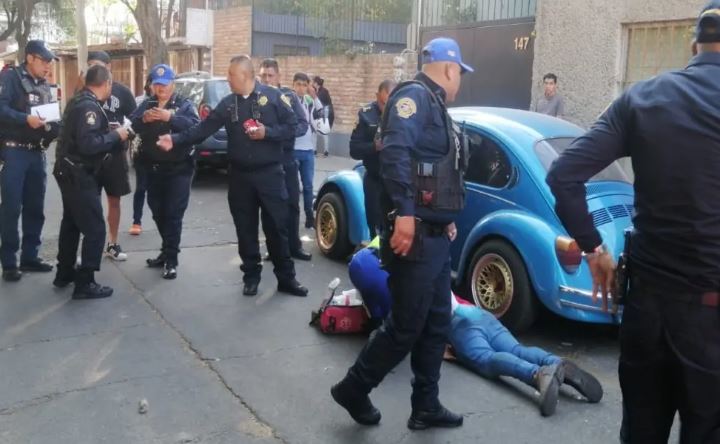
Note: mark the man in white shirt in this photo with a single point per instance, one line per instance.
(305, 147)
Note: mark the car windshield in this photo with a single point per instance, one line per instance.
(216, 90)
(550, 149)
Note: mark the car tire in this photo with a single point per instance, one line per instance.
(497, 280)
(331, 228)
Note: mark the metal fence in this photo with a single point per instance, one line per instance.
(336, 25)
(457, 12)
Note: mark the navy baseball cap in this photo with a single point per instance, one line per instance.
(162, 74)
(708, 24)
(40, 49)
(444, 49)
(100, 56)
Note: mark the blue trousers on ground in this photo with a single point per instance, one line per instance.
(23, 181)
(168, 197)
(141, 182)
(485, 346)
(306, 166)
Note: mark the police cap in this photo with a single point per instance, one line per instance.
(39, 49)
(708, 24)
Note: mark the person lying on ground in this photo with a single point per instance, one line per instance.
(479, 341)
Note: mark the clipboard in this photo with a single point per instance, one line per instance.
(49, 111)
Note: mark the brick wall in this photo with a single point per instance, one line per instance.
(232, 35)
(352, 82)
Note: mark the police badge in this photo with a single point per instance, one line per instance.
(262, 101)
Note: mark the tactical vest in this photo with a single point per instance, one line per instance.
(439, 186)
(150, 153)
(35, 93)
(67, 146)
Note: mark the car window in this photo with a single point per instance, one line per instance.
(192, 91)
(216, 90)
(488, 164)
(550, 149)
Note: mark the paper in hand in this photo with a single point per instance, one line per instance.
(50, 111)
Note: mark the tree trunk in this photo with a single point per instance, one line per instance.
(22, 32)
(81, 34)
(169, 20)
(10, 10)
(147, 17)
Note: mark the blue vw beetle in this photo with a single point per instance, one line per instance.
(512, 252)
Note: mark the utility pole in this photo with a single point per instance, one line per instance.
(81, 35)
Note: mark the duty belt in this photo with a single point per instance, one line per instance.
(26, 146)
(431, 230)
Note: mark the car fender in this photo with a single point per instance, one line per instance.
(532, 237)
(349, 184)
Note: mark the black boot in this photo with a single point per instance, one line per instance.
(292, 287)
(356, 402)
(157, 262)
(582, 381)
(11, 275)
(440, 417)
(64, 277)
(170, 271)
(87, 288)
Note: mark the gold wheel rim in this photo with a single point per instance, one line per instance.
(327, 226)
(492, 284)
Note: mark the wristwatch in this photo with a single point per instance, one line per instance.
(599, 250)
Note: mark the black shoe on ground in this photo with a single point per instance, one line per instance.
(582, 381)
(169, 272)
(293, 287)
(157, 262)
(548, 380)
(11, 275)
(92, 290)
(357, 405)
(62, 280)
(326, 154)
(309, 224)
(38, 266)
(442, 417)
(301, 255)
(250, 288)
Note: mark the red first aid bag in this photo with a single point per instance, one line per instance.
(342, 314)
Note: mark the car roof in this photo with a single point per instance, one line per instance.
(522, 126)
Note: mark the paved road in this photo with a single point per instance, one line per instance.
(217, 367)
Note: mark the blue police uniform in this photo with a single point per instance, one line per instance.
(362, 147)
(422, 177)
(23, 177)
(257, 179)
(169, 173)
(292, 180)
(670, 336)
(85, 144)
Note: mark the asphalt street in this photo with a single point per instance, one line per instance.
(217, 367)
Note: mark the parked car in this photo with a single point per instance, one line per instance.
(206, 92)
(512, 252)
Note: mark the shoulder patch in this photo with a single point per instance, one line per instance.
(366, 108)
(263, 100)
(90, 117)
(406, 107)
(286, 100)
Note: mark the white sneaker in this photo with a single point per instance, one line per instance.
(114, 252)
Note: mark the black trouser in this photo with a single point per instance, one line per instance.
(418, 323)
(248, 192)
(292, 182)
(168, 194)
(373, 211)
(82, 214)
(669, 362)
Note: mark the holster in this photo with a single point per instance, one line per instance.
(73, 173)
(623, 272)
(387, 256)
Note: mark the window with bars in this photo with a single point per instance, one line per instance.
(654, 48)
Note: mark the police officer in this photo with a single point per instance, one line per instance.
(23, 139)
(670, 333)
(85, 141)
(169, 172)
(116, 182)
(421, 165)
(258, 120)
(270, 76)
(365, 145)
